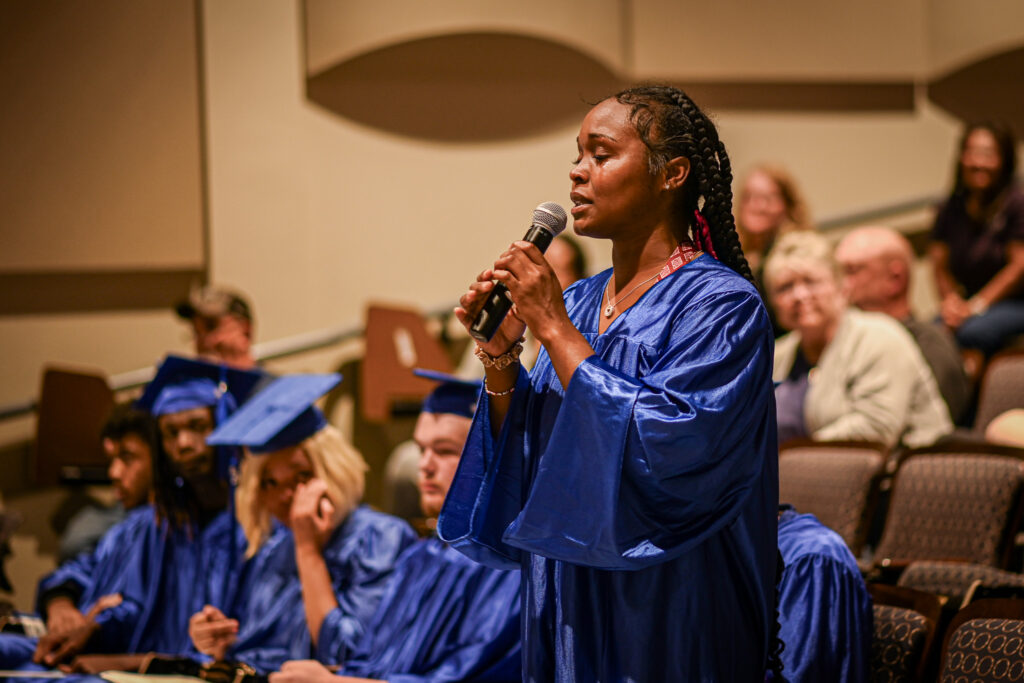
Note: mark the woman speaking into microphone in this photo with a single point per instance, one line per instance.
(632, 475)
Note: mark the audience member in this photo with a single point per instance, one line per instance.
(128, 438)
(79, 599)
(824, 607)
(317, 561)
(877, 263)
(977, 244)
(770, 204)
(443, 617)
(221, 325)
(567, 259)
(844, 373)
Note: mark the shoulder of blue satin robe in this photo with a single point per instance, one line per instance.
(443, 618)
(100, 571)
(824, 607)
(360, 556)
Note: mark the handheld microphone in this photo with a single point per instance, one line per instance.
(548, 220)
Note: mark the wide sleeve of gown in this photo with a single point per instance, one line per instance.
(485, 495)
(652, 449)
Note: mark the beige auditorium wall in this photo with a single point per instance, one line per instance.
(100, 184)
(960, 32)
(314, 215)
(783, 40)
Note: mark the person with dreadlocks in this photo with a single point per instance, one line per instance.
(632, 474)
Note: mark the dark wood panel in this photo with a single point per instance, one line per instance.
(802, 96)
(77, 292)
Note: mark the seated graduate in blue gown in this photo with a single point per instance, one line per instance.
(317, 561)
(80, 600)
(443, 617)
(174, 551)
(824, 605)
(632, 473)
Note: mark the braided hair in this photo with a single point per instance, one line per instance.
(671, 125)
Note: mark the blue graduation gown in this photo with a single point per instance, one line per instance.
(443, 618)
(360, 557)
(824, 607)
(93, 575)
(160, 577)
(167, 574)
(640, 502)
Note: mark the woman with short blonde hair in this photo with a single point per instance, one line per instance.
(316, 562)
(334, 461)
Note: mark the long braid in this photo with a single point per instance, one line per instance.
(671, 125)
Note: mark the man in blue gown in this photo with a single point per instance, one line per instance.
(640, 501)
(79, 600)
(824, 607)
(443, 617)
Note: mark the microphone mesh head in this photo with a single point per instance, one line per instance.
(550, 216)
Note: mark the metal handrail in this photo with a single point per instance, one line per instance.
(879, 212)
(263, 351)
(311, 341)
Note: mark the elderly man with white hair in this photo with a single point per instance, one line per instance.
(876, 264)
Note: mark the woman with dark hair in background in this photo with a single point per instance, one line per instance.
(977, 246)
(632, 474)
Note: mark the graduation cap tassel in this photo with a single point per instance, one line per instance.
(227, 461)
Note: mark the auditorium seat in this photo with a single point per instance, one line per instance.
(836, 481)
(905, 626)
(985, 643)
(952, 506)
(1002, 388)
(956, 580)
(73, 406)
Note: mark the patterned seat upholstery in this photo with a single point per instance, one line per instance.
(1000, 387)
(985, 643)
(953, 579)
(834, 482)
(952, 507)
(899, 638)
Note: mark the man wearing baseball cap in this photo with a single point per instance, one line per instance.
(221, 321)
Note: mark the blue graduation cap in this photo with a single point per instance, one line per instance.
(280, 416)
(186, 383)
(453, 395)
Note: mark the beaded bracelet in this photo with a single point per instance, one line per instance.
(498, 393)
(505, 360)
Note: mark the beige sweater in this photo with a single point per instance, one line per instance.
(870, 384)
